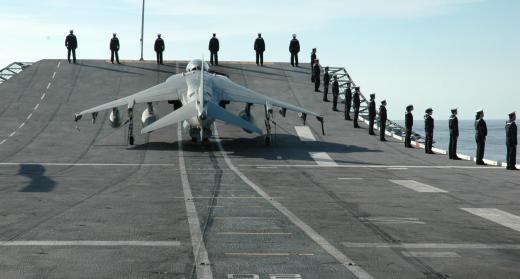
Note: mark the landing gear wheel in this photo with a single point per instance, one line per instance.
(268, 140)
(131, 140)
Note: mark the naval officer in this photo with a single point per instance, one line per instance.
(371, 114)
(326, 82)
(159, 49)
(428, 129)
(408, 125)
(316, 72)
(348, 100)
(382, 120)
(214, 47)
(259, 49)
(114, 48)
(335, 93)
(356, 99)
(71, 42)
(480, 136)
(313, 57)
(294, 49)
(453, 125)
(511, 141)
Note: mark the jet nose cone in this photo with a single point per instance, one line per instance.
(203, 116)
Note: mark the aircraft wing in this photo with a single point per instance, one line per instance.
(230, 91)
(170, 90)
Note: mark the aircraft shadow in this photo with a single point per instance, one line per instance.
(109, 69)
(156, 70)
(249, 70)
(289, 70)
(40, 183)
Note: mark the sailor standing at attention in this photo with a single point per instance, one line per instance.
(511, 141)
(371, 114)
(259, 49)
(454, 134)
(408, 125)
(326, 82)
(214, 47)
(348, 100)
(313, 57)
(71, 42)
(294, 49)
(114, 48)
(480, 136)
(428, 129)
(335, 93)
(382, 120)
(159, 49)
(317, 75)
(357, 103)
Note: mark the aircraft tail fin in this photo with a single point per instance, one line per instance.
(215, 111)
(184, 113)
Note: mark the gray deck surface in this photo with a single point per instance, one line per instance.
(52, 190)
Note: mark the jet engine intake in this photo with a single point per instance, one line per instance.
(149, 116)
(115, 118)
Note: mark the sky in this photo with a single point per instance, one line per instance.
(429, 53)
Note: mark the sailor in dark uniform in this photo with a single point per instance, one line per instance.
(326, 82)
(480, 136)
(356, 99)
(382, 120)
(454, 134)
(371, 114)
(408, 125)
(294, 49)
(71, 42)
(428, 129)
(159, 49)
(214, 48)
(335, 93)
(317, 75)
(313, 57)
(348, 100)
(259, 49)
(511, 141)
(114, 49)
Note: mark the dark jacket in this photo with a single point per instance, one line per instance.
(428, 124)
(214, 45)
(159, 45)
(71, 42)
(480, 130)
(372, 108)
(335, 88)
(356, 99)
(382, 114)
(259, 45)
(294, 46)
(313, 57)
(408, 119)
(511, 134)
(454, 125)
(348, 96)
(326, 79)
(316, 71)
(114, 44)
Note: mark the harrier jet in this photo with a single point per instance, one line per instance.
(199, 97)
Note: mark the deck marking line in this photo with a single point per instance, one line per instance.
(54, 75)
(12, 134)
(253, 233)
(91, 243)
(498, 216)
(304, 133)
(29, 116)
(21, 125)
(59, 63)
(86, 164)
(428, 254)
(458, 246)
(36, 107)
(369, 166)
(200, 254)
(43, 96)
(2, 142)
(418, 187)
(48, 85)
(323, 159)
(391, 220)
(253, 254)
(348, 263)
(350, 178)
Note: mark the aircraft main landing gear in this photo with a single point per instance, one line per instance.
(130, 126)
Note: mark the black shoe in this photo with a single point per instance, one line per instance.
(430, 152)
(513, 168)
(335, 110)
(456, 158)
(348, 118)
(481, 163)
(372, 134)
(325, 100)
(383, 139)
(356, 127)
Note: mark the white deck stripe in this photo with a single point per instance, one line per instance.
(91, 243)
(2, 142)
(498, 216)
(304, 133)
(12, 134)
(371, 166)
(29, 116)
(87, 164)
(418, 186)
(463, 246)
(323, 159)
(358, 271)
(54, 75)
(48, 86)
(59, 63)
(21, 125)
(426, 254)
(43, 96)
(200, 254)
(350, 178)
(36, 107)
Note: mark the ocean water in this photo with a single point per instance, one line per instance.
(495, 143)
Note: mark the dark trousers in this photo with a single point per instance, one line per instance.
(69, 50)
(511, 157)
(334, 102)
(408, 138)
(371, 120)
(428, 143)
(481, 147)
(159, 57)
(214, 58)
(347, 111)
(294, 59)
(317, 84)
(356, 116)
(259, 58)
(116, 52)
(452, 150)
(382, 129)
(325, 92)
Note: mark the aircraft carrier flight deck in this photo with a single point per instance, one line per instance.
(76, 201)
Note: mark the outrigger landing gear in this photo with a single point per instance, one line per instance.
(131, 126)
(268, 114)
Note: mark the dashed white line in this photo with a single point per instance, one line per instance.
(369, 166)
(304, 133)
(43, 96)
(85, 164)
(2, 142)
(418, 186)
(21, 125)
(350, 178)
(48, 86)
(92, 243)
(54, 75)
(12, 134)
(36, 107)
(461, 246)
(59, 63)
(391, 220)
(428, 254)
(323, 159)
(29, 116)
(498, 216)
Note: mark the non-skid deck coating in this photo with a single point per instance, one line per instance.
(77, 202)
